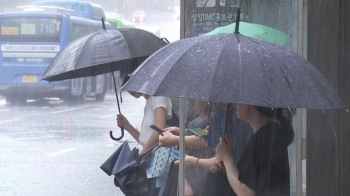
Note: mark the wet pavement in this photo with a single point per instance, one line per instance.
(49, 148)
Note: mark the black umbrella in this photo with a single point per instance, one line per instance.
(129, 172)
(103, 52)
(232, 68)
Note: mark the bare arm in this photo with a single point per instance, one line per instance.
(159, 121)
(203, 163)
(224, 152)
(232, 176)
(123, 122)
(194, 142)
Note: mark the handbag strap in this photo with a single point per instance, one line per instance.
(149, 150)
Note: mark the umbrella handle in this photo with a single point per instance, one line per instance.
(119, 138)
(122, 128)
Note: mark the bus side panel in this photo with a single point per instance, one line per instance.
(22, 61)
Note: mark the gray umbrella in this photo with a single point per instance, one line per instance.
(103, 52)
(234, 69)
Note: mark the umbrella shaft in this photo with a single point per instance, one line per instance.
(116, 92)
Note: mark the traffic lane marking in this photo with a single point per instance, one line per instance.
(109, 143)
(61, 152)
(71, 109)
(107, 116)
(8, 121)
(16, 139)
(36, 138)
(5, 110)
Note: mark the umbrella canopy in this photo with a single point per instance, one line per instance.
(232, 68)
(257, 31)
(103, 52)
(129, 173)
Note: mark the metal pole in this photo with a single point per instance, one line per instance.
(298, 157)
(181, 179)
(182, 18)
(300, 112)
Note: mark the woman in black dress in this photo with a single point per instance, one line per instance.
(263, 168)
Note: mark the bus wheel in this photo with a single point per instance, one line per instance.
(82, 97)
(100, 97)
(9, 99)
(18, 100)
(74, 100)
(79, 99)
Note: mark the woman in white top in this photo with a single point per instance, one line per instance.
(156, 111)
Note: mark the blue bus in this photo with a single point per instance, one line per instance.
(29, 41)
(81, 8)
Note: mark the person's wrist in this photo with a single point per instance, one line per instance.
(175, 140)
(227, 158)
(189, 160)
(178, 130)
(127, 127)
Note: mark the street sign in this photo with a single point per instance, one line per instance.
(206, 19)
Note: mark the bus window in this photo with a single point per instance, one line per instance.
(113, 25)
(79, 30)
(30, 29)
(98, 12)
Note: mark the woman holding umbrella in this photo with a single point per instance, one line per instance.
(263, 169)
(156, 111)
(197, 176)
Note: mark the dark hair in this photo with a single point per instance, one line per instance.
(201, 108)
(284, 116)
(127, 77)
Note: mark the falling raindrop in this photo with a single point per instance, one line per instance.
(346, 110)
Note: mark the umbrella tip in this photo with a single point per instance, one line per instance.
(238, 18)
(165, 39)
(103, 23)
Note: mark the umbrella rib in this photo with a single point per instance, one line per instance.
(328, 99)
(294, 96)
(289, 84)
(83, 47)
(264, 73)
(215, 75)
(147, 60)
(106, 62)
(158, 91)
(190, 47)
(286, 78)
(290, 87)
